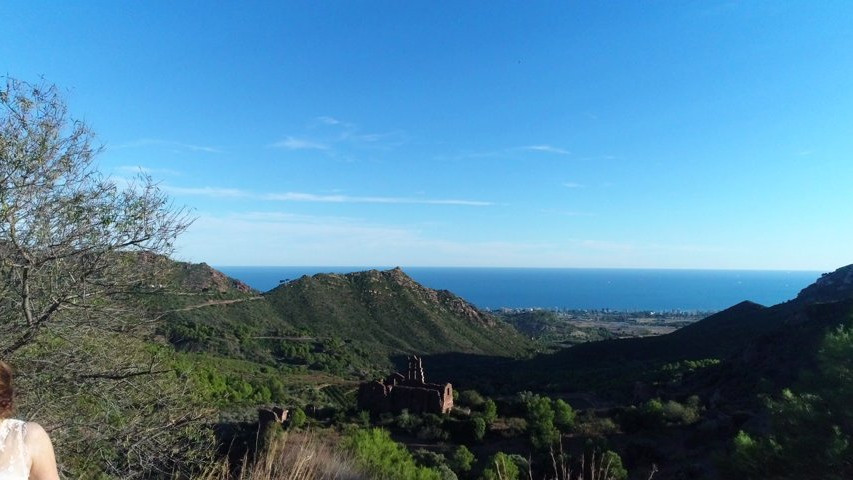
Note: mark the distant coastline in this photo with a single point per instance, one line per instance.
(577, 288)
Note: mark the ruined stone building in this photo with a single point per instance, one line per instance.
(410, 392)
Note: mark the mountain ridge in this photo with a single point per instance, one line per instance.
(390, 309)
(754, 340)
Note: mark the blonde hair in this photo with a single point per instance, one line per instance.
(6, 390)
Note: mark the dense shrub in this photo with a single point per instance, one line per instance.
(490, 411)
(811, 433)
(478, 428)
(428, 458)
(446, 473)
(501, 467)
(682, 414)
(564, 416)
(462, 459)
(432, 433)
(470, 398)
(656, 414)
(610, 467)
(515, 426)
(297, 418)
(540, 422)
(408, 422)
(591, 425)
(377, 453)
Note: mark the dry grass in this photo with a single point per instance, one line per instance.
(291, 456)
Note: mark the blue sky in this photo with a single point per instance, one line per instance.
(542, 134)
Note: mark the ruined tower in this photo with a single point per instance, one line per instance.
(416, 370)
(397, 392)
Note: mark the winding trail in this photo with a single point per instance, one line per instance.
(210, 303)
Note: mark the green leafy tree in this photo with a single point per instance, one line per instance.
(471, 398)
(297, 418)
(609, 466)
(382, 457)
(501, 467)
(446, 473)
(429, 459)
(408, 422)
(462, 459)
(564, 415)
(490, 411)
(478, 428)
(77, 252)
(540, 422)
(810, 434)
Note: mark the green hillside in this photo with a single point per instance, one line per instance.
(392, 313)
(349, 324)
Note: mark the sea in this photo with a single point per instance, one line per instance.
(578, 288)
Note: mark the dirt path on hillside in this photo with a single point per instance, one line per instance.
(296, 339)
(211, 303)
(218, 302)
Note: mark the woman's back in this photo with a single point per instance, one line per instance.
(14, 456)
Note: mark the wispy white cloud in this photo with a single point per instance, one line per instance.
(321, 240)
(508, 152)
(329, 120)
(310, 197)
(351, 135)
(293, 143)
(334, 240)
(318, 198)
(331, 240)
(155, 142)
(131, 169)
(547, 149)
(208, 192)
(335, 136)
(573, 185)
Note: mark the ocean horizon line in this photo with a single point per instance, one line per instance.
(575, 288)
(404, 267)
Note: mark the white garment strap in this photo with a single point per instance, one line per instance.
(14, 456)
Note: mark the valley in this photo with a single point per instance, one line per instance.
(664, 392)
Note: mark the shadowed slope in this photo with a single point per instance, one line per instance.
(752, 341)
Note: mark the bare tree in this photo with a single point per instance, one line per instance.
(76, 253)
(63, 228)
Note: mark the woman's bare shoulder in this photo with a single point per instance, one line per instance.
(35, 435)
(35, 430)
(41, 452)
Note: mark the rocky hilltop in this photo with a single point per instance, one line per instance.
(189, 277)
(830, 287)
(446, 298)
(391, 311)
(203, 277)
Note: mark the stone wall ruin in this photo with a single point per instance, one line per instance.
(398, 392)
